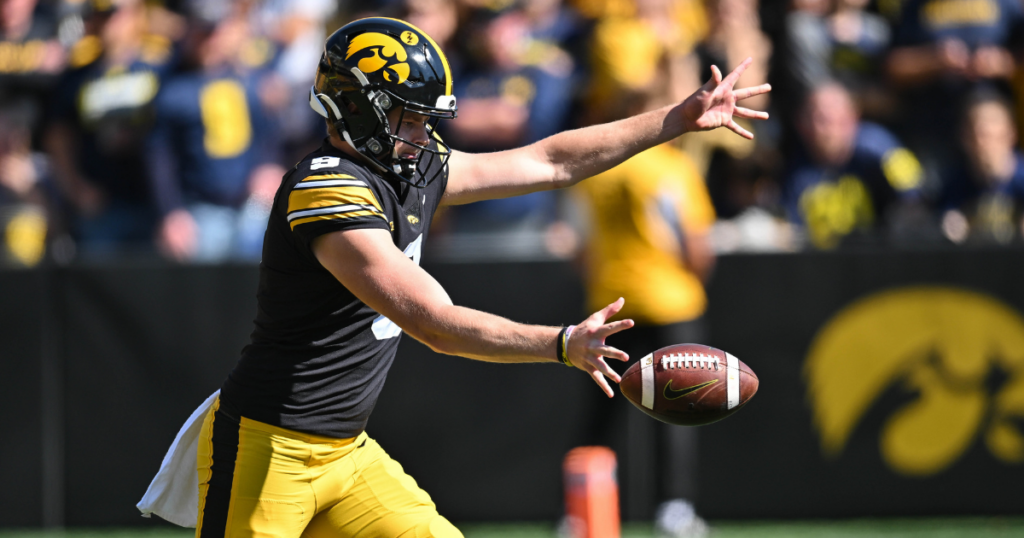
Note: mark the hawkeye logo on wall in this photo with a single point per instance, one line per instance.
(958, 354)
(386, 53)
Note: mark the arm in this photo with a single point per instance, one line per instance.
(700, 256)
(367, 263)
(569, 157)
(690, 216)
(60, 143)
(914, 65)
(177, 234)
(162, 168)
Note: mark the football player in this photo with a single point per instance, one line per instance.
(283, 452)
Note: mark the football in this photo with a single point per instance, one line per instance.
(689, 384)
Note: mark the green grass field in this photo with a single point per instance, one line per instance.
(869, 528)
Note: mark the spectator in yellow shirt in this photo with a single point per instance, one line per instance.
(647, 241)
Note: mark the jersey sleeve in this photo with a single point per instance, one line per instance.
(327, 202)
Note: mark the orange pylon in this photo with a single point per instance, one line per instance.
(591, 493)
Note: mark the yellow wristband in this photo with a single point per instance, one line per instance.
(563, 347)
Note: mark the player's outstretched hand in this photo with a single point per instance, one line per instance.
(586, 348)
(714, 104)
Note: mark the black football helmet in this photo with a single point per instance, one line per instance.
(377, 64)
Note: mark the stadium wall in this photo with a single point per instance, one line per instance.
(891, 384)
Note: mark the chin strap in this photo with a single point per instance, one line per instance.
(317, 100)
(348, 139)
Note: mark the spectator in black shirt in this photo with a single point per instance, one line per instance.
(101, 115)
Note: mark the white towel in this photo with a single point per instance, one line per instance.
(174, 492)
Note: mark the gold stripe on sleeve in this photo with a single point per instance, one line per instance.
(299, 200)
(327, 176)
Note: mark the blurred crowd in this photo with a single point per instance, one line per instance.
(163, 127)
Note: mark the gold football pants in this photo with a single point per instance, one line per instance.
(260, 480)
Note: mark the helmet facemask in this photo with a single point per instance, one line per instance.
(413, 170)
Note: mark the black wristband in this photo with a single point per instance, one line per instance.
(560, 350)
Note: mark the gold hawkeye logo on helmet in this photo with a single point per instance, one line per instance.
(388, 54)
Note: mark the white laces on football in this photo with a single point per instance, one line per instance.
(688, 360)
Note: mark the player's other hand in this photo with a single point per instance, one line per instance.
(586, 348)
(178, 235)
(714, 104)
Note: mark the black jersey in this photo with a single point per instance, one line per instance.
(318, 355)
